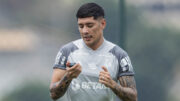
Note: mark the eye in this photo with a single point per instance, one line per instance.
(81, 26)
(90, 25)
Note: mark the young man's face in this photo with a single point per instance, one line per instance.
(91, 31)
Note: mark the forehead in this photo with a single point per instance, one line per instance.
(86, 20)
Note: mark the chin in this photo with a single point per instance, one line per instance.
(88, 43)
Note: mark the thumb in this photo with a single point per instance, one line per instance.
(104, 68)
(67, 64)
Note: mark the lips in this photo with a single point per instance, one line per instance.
(87, 38)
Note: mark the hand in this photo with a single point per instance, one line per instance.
(74, 71)
(105, 78)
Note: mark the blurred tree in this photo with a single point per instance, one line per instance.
(153, 52)
(30, 91)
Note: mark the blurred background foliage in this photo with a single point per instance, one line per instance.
(152, 44)
(29, 91)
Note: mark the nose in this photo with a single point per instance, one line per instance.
(85, 30)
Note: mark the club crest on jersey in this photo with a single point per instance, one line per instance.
(125, 64)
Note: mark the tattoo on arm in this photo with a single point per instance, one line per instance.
(127, 89)
(127, 81)
(58, 89)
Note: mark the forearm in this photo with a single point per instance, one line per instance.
(125, 93)
(58, 89)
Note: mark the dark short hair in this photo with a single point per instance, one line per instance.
(90, 10)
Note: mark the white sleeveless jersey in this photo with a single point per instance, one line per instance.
(86, 86)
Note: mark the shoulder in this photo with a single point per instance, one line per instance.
(71, 46)
(117, 50)
(124, 62)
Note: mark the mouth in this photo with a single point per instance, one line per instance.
(87, 38)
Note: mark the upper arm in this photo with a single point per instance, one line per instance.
(57, 75)
(127, 81)
(124, 63)
(63, 56)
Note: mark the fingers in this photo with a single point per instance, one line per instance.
(104, 68)
(105, 77)
(74, 68)
(73, 74)
(107, 80)
(67, 63)
(73, 71)
(104, 82)
(105, 72)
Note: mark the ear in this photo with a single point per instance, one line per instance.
(103, 23)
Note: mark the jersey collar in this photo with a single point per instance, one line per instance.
(98, 49)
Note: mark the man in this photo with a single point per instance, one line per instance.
(99, 64)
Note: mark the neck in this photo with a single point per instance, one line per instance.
(96, 45)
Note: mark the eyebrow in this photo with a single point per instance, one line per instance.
(89, 23)
(86, 23)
